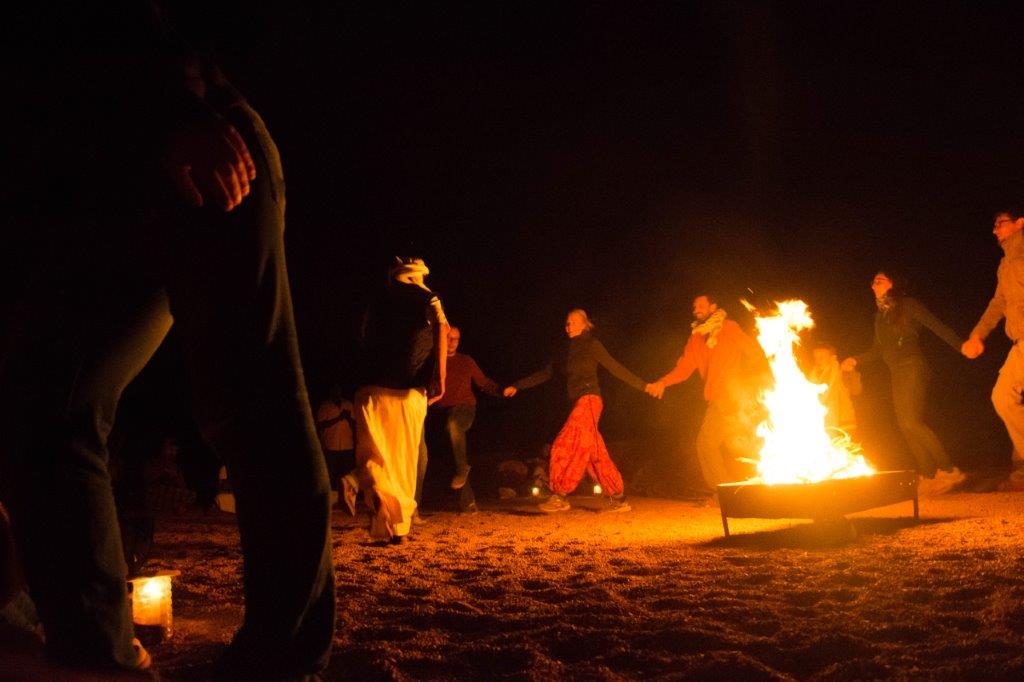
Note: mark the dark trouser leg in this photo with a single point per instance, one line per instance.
(62, 503)
(466, 497)
(421, 467)
(334, 467)
(909, 385)
(346, 462)
(230, 296)
(458, 421)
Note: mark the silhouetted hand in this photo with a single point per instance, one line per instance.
(655, 390)
(972, 347)
(848, 365)
(209, 163)
(509, 391)
(435, 392)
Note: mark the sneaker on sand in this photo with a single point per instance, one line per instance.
(349, 492)
(471, 509)
(943, 482)
(416, 519)
(460, 478)
(1014, 483)
(555, 503)
(708, 501)
(619, 503)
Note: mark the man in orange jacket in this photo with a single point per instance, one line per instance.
(729, 361)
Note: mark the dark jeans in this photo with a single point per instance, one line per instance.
(909, 386)
(221, 279)
(339, 463)
(459, 420)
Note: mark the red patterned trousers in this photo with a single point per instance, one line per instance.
(579, 448)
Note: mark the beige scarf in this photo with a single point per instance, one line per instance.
(710, 327)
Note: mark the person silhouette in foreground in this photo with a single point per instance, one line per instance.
(167, 208)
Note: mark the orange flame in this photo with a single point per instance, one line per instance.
(797, 445)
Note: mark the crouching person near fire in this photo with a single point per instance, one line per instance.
(840, 387)
(403, 356)
(732, 365)
(579, 446)
(898, 323)
(1008, 302)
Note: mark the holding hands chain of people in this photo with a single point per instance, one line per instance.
(655, 390)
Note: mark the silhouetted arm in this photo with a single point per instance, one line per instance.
(615, 368)
(917, 310)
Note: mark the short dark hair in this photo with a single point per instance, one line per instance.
(712, 298)
(1013, 210)
(900, 281)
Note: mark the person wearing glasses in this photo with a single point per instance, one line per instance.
(1008, 303)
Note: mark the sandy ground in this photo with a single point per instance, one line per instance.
(659, 592)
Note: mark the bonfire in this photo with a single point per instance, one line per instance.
(798, 447)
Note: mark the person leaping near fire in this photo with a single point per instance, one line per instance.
(459, 407)
(898, 322)
(1007, 302)
(579, 446)
(732, 365)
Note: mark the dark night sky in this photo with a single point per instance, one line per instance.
(619, 156)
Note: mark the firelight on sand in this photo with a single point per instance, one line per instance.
(798, 447)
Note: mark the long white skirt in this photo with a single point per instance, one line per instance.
(389, 426)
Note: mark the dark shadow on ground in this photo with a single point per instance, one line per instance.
(818, 534)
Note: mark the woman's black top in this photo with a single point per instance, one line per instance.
(579, 365)
(897, 333)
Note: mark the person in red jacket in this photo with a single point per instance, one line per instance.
(459, 406)
(729, 361)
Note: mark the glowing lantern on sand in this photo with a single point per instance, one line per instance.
(151, 606)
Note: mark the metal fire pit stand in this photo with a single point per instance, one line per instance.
(830, 499)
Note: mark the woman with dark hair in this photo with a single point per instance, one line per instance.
(898, 323)
(579, 446)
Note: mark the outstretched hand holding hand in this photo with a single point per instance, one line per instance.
(655, 390)
(972, 347)
(209, 163)
(509, 391)
(848, 365)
